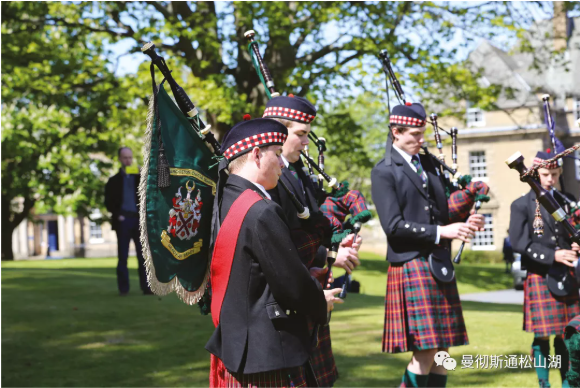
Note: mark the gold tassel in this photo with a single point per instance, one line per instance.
(538, 222)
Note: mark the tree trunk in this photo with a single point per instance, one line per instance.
(7, 230)
(10, 221)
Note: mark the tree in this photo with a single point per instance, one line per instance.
(64, 114)
(325, 51)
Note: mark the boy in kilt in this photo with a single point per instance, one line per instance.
(546, 249)
(261, 291)
(309, 236)
(422, 314)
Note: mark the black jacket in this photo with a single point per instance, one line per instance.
(538, 253)
(409, 212)
(308, 197)
(268, 281)
(114, 196)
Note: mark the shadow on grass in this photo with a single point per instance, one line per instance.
(484, 277)
(68, 327)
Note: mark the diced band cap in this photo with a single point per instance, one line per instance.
(246, 135)
(542, 157)
(410, 115)
(292, 108)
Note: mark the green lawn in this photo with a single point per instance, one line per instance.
(63, 324)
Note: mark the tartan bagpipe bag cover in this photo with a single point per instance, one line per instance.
(175, 221)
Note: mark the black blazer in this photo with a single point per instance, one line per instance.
(263, 323)
(114, 196)
(308, 197)
(408, 211)
(538, 253)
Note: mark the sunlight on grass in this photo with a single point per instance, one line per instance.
(63, 324)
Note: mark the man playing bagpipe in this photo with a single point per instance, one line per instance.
(550, 294)
(310, 236)
(261, 291)
(422, 313)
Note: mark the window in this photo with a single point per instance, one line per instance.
(95, 230)
(475, 117)
(577, 110)
(96, 233)
(477, 165)
(484, 240)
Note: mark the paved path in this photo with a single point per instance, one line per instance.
(504, 296)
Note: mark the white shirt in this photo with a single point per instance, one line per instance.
(408, 158)
(286, 162)
(263, 190)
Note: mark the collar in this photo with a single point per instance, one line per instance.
(405, 155)
(262, 189)
(286, 162)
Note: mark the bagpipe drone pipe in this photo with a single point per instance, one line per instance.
(341, 202)
(342, 207)
(463, 194)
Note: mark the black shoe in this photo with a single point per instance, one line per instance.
(123, 293)
(148, 292)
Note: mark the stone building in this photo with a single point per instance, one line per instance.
(487, 138)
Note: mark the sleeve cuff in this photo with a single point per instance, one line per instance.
(438, 235)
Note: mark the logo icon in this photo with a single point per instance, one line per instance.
(443, 358)
(449, 363)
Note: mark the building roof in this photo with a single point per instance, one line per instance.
(526, 74)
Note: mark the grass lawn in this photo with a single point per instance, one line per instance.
(63, 324)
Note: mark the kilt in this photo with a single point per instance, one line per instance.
(219, 376)
(544, 313)
(421, 313)
(322, 359)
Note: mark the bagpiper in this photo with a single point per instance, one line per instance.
(261, 291)
(547, 253)
(423, 313)
(297, 114)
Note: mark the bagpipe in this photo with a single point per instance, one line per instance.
(341, 202)
(572, 207)
(463, 194)
(180, 152)
(560, 282)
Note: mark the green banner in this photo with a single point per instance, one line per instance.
(176, 220)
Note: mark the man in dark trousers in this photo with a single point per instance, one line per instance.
(261, 291)
(422, 314)
(297, 114)
(122, 202)
(546, 250)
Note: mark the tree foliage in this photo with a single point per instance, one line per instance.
(64, 114)
(63, 103)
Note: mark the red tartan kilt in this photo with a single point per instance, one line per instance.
(219, 376)
(322, 359)
(421, 313)
(544, 313)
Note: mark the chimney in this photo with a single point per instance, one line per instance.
(559, 26)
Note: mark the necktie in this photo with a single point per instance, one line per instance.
(293, 171)
(417, 164)
(295, 175)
